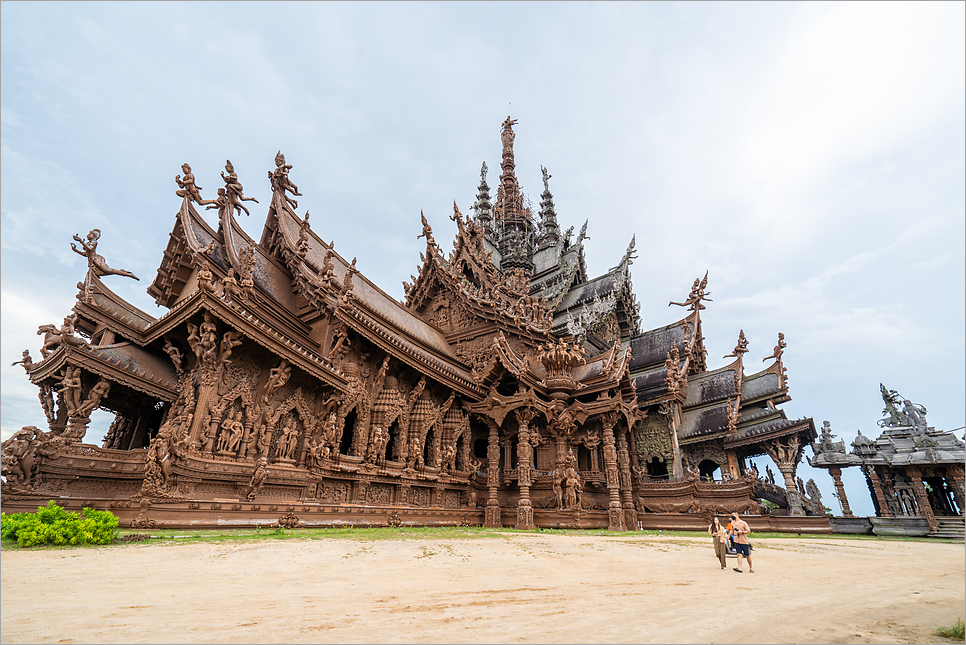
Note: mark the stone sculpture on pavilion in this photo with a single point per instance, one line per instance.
(914, 472)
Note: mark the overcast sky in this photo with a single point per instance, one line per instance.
(809, 156)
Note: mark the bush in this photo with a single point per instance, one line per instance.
(957, 631)
(52, 524)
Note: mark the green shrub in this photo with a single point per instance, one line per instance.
(957, 631)
(52, 524)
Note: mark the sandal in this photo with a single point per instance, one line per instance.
(738, 570)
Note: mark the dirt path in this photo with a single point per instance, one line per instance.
(513, 588)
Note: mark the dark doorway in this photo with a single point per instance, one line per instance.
(707, 468)
(348, 432)
(392, 442)
(657, 468)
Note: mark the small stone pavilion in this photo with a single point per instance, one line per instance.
(914, 472)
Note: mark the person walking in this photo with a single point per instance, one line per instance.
(719, 537)
(740, 530)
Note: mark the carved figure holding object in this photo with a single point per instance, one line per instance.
(234, 190)
(26, 361)
(280, 180)
(189, 190)
(96, 262)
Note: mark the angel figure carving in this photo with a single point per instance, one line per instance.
(188, 188)
(234, 191)
(96, 262)
(281, 182)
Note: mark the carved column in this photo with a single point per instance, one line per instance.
(785, 453)
(402, 494)
(492, 514)
(957, 475)
(880, 497)
(524, 460)
(359, 491)
(209, 379)
(922, 499)
(614, 514)
(836, 474)
(624, 471)
(672, 411)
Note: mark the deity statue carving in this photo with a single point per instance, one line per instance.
(288, 439)
(506, 133)
(206, 280)
(779, 349)
(814, 497)
(188, 188)
(70, 385)
(174, 353)
(741, 348)
(94, 397)
(19, 456)
(427, 231)
(259, 475)
(234, 193)
(697, 295)
(26, 361)
(281, 183)
(95, 262)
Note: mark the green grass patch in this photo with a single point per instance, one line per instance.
(957, 631)
(124, 537)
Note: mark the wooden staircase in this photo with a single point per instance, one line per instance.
(950, 528)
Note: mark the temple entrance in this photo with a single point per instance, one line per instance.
(479, 448)
(707, 469)
(583, 458)
(429, 454)
(392, 443)
(459, 462)
(657, 468)
(348, 433)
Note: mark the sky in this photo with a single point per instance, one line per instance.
(810, 157)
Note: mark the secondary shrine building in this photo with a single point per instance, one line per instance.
(510, 388)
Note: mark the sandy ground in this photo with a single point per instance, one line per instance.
(514, 588)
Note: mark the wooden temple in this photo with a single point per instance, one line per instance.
(510, 388)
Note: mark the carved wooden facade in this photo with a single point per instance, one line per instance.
(281, 385)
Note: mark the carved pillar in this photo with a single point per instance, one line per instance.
(215, 430)
(359, 490)
(836, 474)
(614, 514)
(957, 475)
(209, 379)
(136, 437)
(402, 494)
(791, 490)
(492, 516)
(524, 460)
(785, 453)
(732, 463)
(243, 446)
(674, 414)
(624, 471)
(877, 490)
(922, 499)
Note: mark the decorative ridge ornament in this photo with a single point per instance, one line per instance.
(697, 295)
(95, 262)
(233, 193)
(188, 188)
(280, 180)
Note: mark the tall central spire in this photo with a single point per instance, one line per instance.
(509, 201)
(514, 223)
